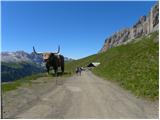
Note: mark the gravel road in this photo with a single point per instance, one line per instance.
(85, 96)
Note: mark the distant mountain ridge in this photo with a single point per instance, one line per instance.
(22, 56)
(15, 65)
(144, 26)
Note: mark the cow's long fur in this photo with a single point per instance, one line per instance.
(52, 60)
(55, 61)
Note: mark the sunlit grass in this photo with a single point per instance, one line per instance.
(17, 83)
(134, 66)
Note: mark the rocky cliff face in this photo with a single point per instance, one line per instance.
(145, 25)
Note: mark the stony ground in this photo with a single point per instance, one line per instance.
(85, 96)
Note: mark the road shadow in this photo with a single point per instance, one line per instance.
(60, 74)
(58, 80)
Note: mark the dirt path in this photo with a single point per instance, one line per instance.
(85, 96)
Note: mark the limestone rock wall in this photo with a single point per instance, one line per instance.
(144, 26)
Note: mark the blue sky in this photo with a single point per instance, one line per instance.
(80, 28)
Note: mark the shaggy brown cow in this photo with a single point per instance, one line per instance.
(52, 60)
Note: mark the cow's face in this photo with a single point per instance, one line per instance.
(46, 56)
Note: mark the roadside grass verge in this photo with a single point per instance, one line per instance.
(8, 86)
(134, 66)
(17, 83)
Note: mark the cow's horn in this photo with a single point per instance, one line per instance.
(36, 52)
(58, 49)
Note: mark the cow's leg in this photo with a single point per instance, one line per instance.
(47, 66)
(62, 68)
(55, 70)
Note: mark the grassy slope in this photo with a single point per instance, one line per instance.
(12, 70)
(8, 86)
(17, 83)
(134, 66)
